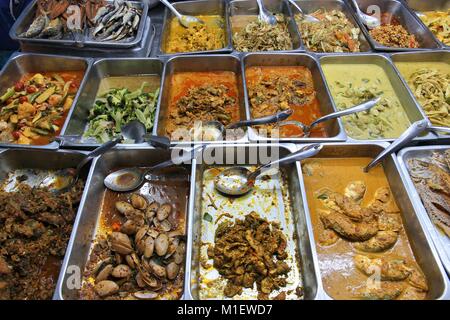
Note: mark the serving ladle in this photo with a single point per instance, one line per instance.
(216, 129)
(370, 21)
(129, 179)
(236, 181)
(264, 14)
(307, 128)
(306, 17)
(185, 20)
(134, 130)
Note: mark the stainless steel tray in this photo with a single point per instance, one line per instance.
(309, 6)
(409, 21)
(77, 123)
(27, 16)
(248, 154)
(416, 6)
(418, 235)
(193, 63)
(141, 50)
(412, 110)
(441, 242)
(429, 56)
(87, 222)
(23, 63)
(249, 7)
(196, 7)
(334, 128)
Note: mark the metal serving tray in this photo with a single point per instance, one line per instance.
(23, 63)
(412, 110)
(201, 63)
(418, 235)
(409, 21)
(249, 7)
(78, 117)
(27, 17)
(309, 6)
(429, 56)
(417, 6)
(441, 242)
(252, 154)
(87, 221)
(196, 7)
(142, 50)
(334, 128)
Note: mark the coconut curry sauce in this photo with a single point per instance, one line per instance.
(337, 191)
(273, 89)
(139, 247)
(201, 96)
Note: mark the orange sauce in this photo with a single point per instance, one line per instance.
(305, 113)
(182, 82)
(340, 277)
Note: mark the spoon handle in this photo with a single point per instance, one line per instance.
(358, 10)
(263, 120)
(436, 129)
(176, 161)
(361, 107)
(158, 141)
(98, 151)
(306, 152)
(413, 131)
(172, 8)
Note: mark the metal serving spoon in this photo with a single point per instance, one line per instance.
(264, 14)
(413, 131)
(306, 17)
(216, 129)
(307, 128)
(184, 20)
(436, 129)
(236, 181)
(370, 21)
(133, 131)
(129, 179)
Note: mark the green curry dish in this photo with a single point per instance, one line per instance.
(117, 107)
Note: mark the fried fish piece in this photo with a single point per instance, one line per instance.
(327, 237)
(390, 269)
(348, 229)
(390, 222)
(417, 279)
(386, 290)
(382, 241)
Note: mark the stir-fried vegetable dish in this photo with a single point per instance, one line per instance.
(332, 33)
(439, 23)
(33, 111)
(116, 107)
(392, 34)
(259, 36)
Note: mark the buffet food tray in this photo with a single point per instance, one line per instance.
(410, 106)
(141, 50)
(75, 127)
(411, 22)
(199, 281)
(196, 7)
(417, 231)
(335, 130)
(22, 63)
(441, 242)
(309, 6)
(416, 6)
(87, 224)
(26, 18)
(441, 56)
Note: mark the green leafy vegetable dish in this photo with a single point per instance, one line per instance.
(116, 107)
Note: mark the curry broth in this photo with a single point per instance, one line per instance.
(305, 113)
(340, 277)
(182, 82)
